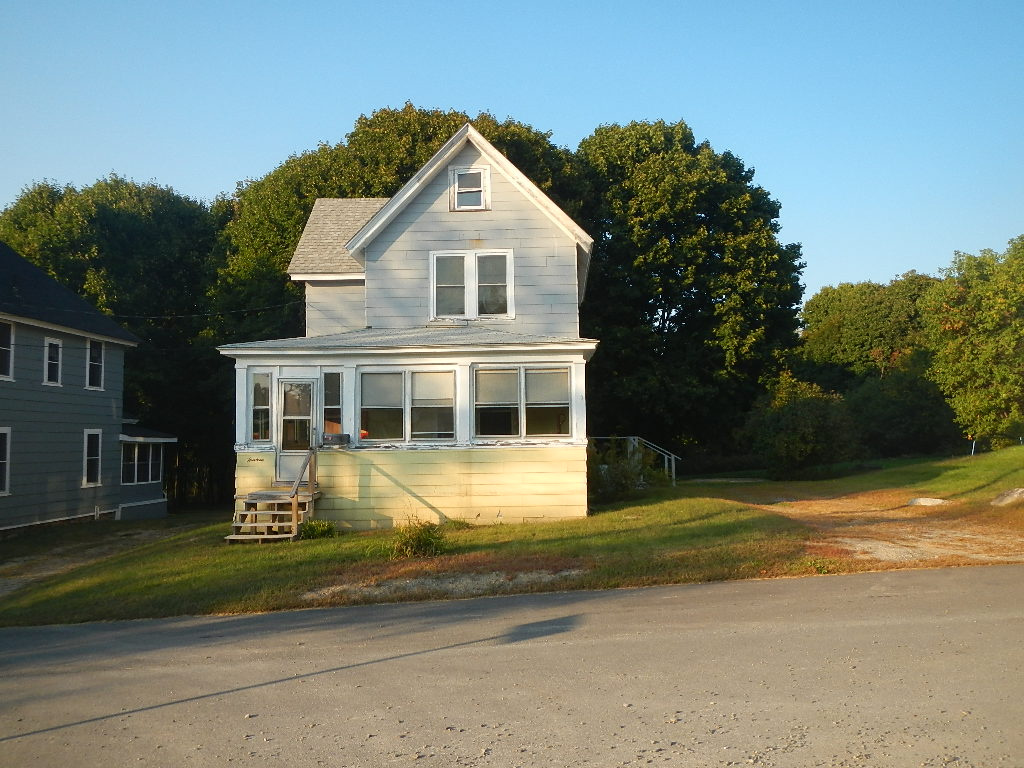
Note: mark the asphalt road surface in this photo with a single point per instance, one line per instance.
(905, 668)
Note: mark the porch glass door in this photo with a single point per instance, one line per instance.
(296, 428)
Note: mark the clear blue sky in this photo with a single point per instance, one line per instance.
(891, 132)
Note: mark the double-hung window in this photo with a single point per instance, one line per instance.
(6, 350)
(260, 399)
(141, 463)
(5, 461)
(52, 363)
(94, 365)
(521, 402)
(470, 188)
(399, 406)
(91, 457)
(471, 284)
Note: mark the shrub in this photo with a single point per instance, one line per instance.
(418, 538)
(619, 469)
(799, 426)
(318, 529)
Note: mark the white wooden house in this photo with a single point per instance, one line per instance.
(442, 373)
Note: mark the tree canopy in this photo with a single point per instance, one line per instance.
(691, 293)
(976, 332)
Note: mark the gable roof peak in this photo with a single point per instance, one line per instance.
(468, 134)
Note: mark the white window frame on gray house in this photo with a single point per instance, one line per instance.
(92, 459)
(416, 400)
(6, 350)
(141, 462)
(53, 354)
(94, 368)
(477, 287)
(5, 461)
(467, 193)
(332, 402)
(520, 403)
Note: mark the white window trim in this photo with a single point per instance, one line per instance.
(453, 187)
(471, 285)
(522, 368)
(46, 362)
(85, 459)
(135, 463)
(6, 463)
(9, 375)
(321, 405)
(407, 438)
(103, 363)
(251, 373)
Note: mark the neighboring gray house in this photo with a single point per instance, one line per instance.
(442, 374)
(65, 451)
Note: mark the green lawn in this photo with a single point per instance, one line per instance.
(697, 532)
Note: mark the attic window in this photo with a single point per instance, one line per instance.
(470, 189)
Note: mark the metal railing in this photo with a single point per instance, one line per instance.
(635, 444)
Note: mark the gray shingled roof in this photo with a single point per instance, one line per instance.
(331, 224)
(391, 338)
(26, 291)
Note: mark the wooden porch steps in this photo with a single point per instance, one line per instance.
(268, 516)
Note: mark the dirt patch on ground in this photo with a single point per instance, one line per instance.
(16, 572)
(884, 526)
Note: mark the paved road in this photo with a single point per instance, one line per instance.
(912, 668)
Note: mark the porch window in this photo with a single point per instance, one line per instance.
(141, 463)
(471, 284)
(522, 402)
(5, 461)
(297, 415)
(94, 365)
(470, 189)
(91, 459)
(433, 405)
(260, 406)
(51, 366)
(417, 404)
(6, 350)
(381, 411)
(332, 404)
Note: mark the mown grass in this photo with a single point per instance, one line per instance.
(692, 533)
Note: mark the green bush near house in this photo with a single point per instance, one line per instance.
(318, 529)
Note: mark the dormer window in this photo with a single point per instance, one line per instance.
(470, 189)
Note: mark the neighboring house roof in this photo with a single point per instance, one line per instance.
(332, 223)
(28, 292)
(394, 339)
(438, 163)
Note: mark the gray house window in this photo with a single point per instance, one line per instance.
(420, 404)
(5, 461)
(141, 463)
(261, 406)
(91, 461)
(94, 365)
(52, 364)
(332, 404)
(6, 350)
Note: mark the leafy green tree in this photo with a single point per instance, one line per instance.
(691, 293)
(798, 426)
(976, 332)
(865, 328)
